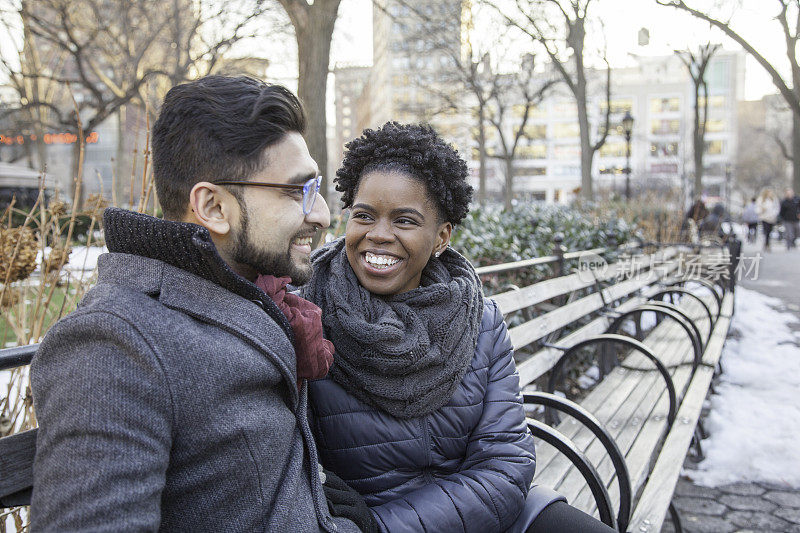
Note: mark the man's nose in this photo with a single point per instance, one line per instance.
(320, 214)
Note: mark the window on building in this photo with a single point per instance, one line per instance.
(714, 126)
(538, 196)
(533, 151)
(612, 170)
(620, 105)
(567, 152)
(564, 108)
(665, 127)
(529, 171)
(715, 147)
(567, 171)
(665, 105)
(663, 149)
(613, 149)
(536, 131)
(664, 168)
(566, 130)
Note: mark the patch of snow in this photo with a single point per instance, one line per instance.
(589, 378)
(649, 319)
(81, 259)
(754, 422)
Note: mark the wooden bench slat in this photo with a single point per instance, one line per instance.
(604, 402)
(657, 495)
(627, 406)
(16, 462)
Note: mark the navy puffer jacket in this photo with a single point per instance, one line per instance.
(465, 467)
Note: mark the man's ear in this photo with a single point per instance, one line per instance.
(213, 208)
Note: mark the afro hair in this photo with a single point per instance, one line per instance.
(414, 149)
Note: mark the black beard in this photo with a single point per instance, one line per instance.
(267, 263)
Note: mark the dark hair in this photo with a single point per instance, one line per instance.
(217, 128)
(416, 150)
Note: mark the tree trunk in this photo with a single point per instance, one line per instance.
(509, 192)
(795, 153)
(121, 161)
(698, 140)
(77, 177)
(587, 154)
(313, 51)
(481, 154)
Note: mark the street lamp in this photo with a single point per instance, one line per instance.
(627, 128)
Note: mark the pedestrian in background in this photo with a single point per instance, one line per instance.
(768, 210)
(789, 216)
(750, 217)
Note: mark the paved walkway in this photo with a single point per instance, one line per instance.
(744, 507)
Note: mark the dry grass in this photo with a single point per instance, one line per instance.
(36, 289)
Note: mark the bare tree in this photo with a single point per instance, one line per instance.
(476, 81)
(788, 18)
(520, 91)
(313, 26)
(697, 63)
(113, 50)
(559, 26)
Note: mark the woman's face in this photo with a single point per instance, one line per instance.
(392, 232)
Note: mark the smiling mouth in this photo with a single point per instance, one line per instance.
(380, 262)
(302, 244)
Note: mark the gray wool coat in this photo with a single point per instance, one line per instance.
(166, 402)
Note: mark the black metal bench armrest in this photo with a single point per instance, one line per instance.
(16, 468)
(675, 314)
(679, 282)
(567, 447)
(588, 419)
(557, 374)
(676, 290)
(17, 356)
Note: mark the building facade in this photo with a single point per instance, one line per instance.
(658, 92)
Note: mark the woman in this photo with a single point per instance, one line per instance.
(421, 411)
(768, 209)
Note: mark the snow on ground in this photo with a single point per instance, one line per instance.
(81, 259)
(754, 422)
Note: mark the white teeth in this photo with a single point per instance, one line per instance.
(303, 241)
(380, 261)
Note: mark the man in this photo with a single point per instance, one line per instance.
(789, 217)
(173, 398)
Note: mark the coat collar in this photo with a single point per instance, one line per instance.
(185, 246)
(204, 301)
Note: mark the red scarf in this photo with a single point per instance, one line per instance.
(314, 354)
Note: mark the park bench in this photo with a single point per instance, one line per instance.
(619, 455)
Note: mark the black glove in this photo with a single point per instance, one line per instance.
(345, 502)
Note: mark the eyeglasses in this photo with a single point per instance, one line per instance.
(310, 189)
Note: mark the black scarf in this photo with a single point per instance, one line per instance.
(404, 354)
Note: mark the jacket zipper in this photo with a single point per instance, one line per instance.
(426, 442)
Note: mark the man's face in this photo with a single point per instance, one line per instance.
(273, 235)
(789, 193)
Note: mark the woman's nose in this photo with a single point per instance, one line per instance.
(380, 232)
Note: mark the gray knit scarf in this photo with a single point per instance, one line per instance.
(404, 354)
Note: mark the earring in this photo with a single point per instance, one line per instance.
(437, 254)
